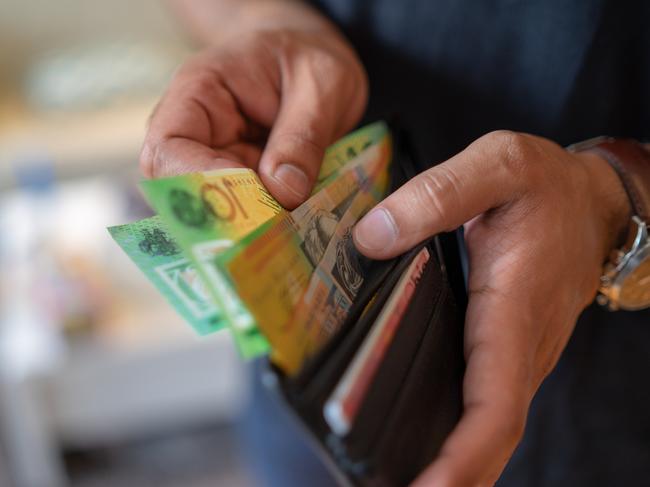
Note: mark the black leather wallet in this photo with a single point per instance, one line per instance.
(415, 396)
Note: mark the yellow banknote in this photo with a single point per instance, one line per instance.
(273, 267)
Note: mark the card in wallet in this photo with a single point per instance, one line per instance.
(383, 394)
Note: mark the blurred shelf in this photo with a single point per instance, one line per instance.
(77, 143)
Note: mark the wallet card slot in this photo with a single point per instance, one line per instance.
(367, 452)
(378, 274)
(389, 379)
(429, 404)
(321, 373)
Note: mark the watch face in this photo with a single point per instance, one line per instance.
(635, 288)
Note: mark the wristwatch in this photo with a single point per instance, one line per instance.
(625, 283)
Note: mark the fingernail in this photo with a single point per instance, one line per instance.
(294, 179)
(376, 230)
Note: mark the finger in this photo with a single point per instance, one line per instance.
(307, 122)
(179, 156)
(442, 198)
(183, 129)
(198, 124)
(496, 398)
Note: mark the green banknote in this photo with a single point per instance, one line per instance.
(207, 214)
(156, 253)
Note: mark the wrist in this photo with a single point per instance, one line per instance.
(609, 199)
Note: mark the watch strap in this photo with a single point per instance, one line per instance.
(631, 161)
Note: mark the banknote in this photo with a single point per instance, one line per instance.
(334, 283)
(284, 252)
(317, 218)
(269, 273)
(341, 408)
(157, 254)
(208, 212)
(347, 148)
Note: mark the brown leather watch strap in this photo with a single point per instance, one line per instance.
(631, 161)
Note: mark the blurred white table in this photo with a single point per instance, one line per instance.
(101, 397)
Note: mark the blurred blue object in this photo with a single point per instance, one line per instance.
(274, 445)
(35, 172)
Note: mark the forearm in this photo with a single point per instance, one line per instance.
(215, 21)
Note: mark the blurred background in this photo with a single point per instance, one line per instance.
(101, 383)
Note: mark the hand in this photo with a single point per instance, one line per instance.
(540, 222)
(270, 100)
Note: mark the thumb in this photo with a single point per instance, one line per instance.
(305, 125)
(442, 198)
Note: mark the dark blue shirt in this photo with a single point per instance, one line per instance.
(568, 71)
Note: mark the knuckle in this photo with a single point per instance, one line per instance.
(202, 82)
(300, 145)
(146, 161)
(151, 162)
(148, 152)
(516, 153)
(339, 81)
(348, 73)
(436, 191)
(333, 64)
(273, 42)
(283, 38)
(328, 67)
(197, 65)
